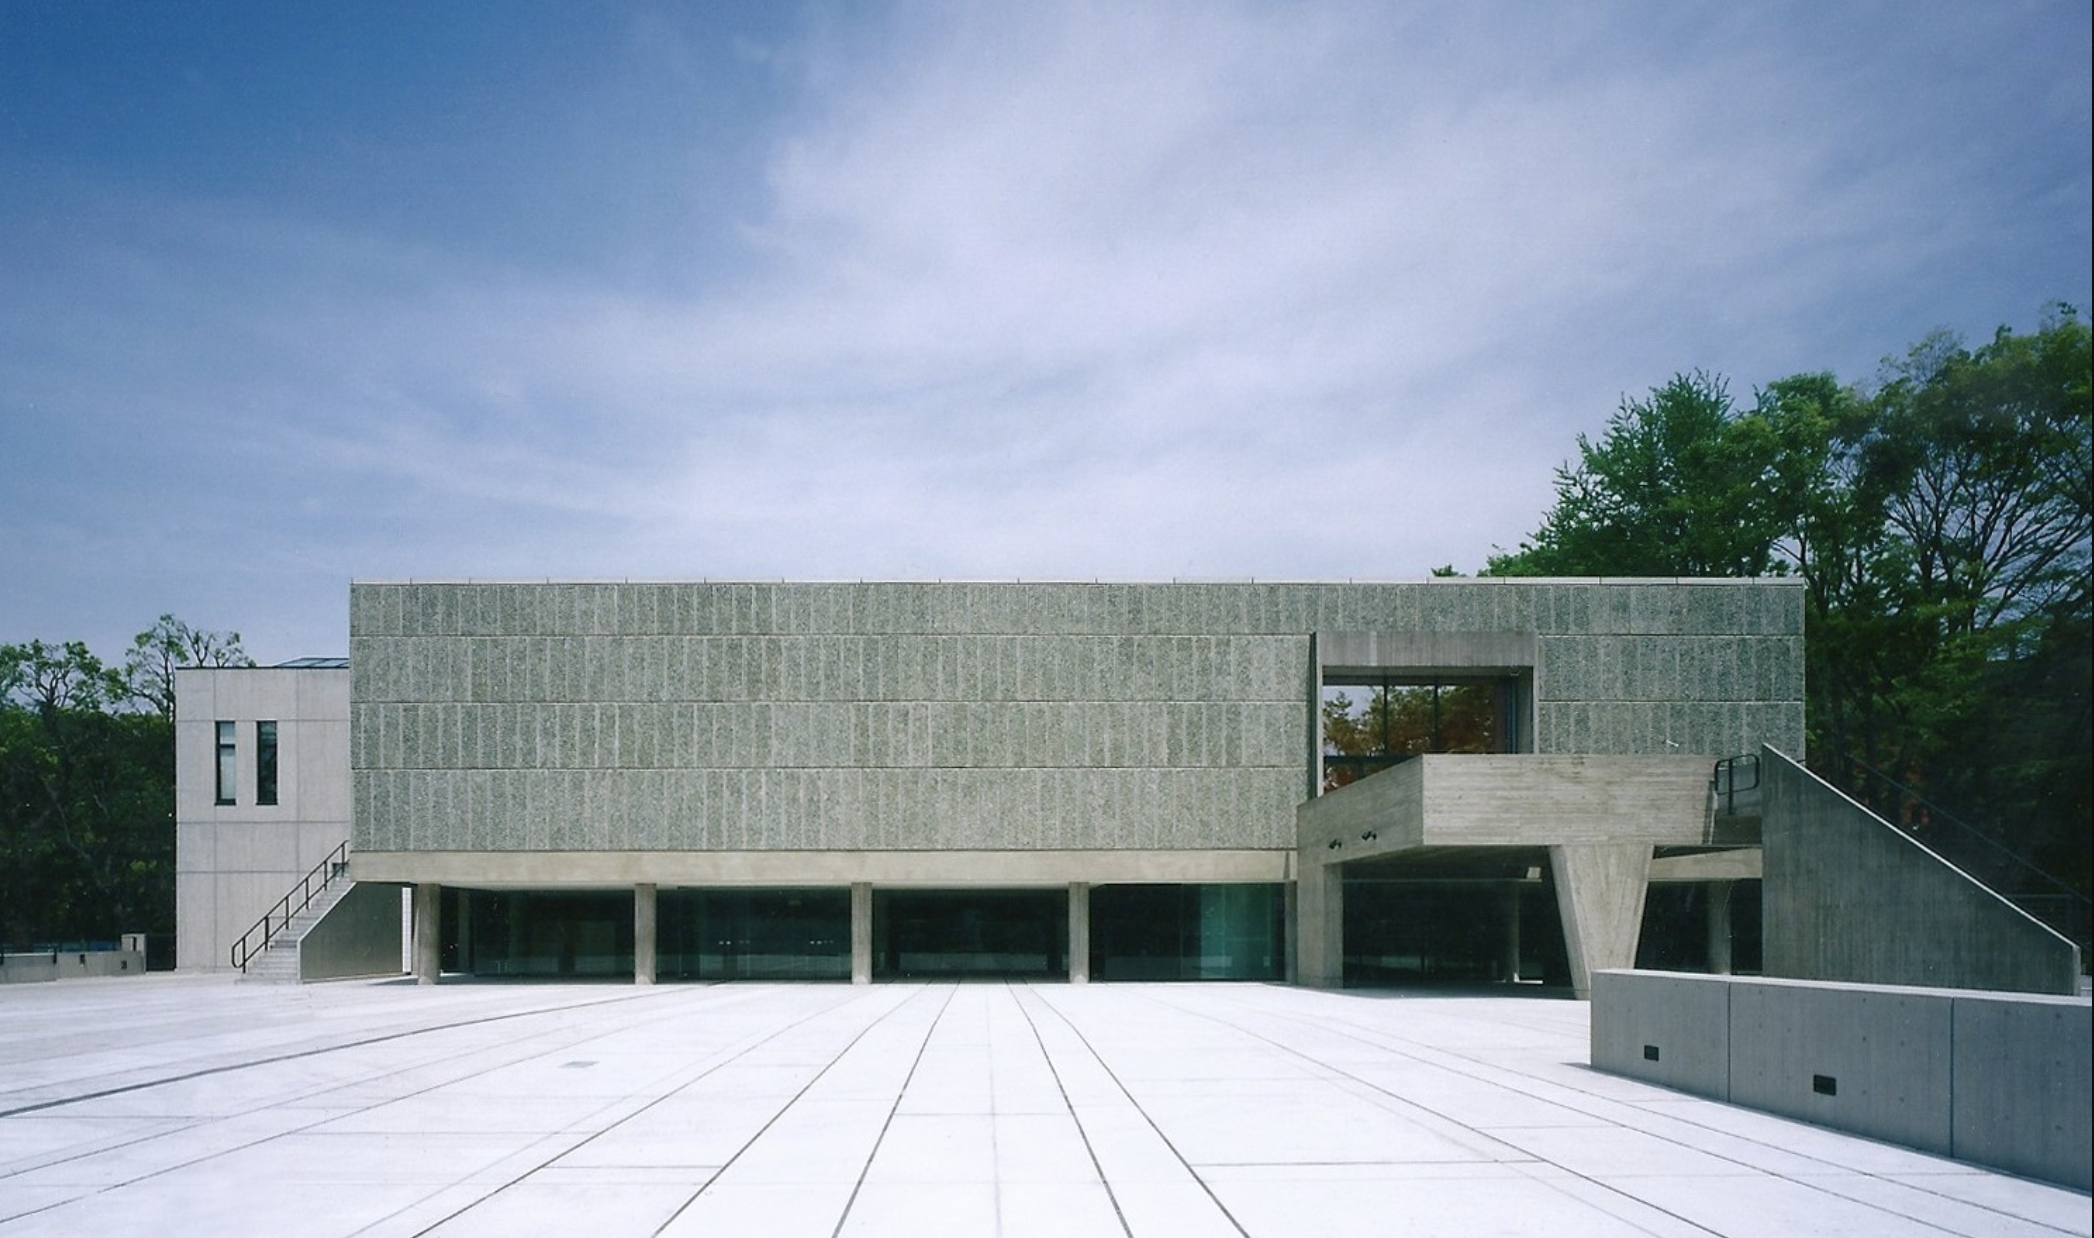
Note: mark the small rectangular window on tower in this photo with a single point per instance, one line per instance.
(228, 763)
(265, 762)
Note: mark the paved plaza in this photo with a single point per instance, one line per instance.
(186, 1105)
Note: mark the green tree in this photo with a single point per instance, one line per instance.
(1981, 463)
(1677, 486)
(157, 652)
(1941, 525)
(87, 847)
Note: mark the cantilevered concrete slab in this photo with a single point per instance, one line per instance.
(1599, 817)
(195, 1105)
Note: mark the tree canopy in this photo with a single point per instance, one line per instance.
(1941, 525)
(87, 838)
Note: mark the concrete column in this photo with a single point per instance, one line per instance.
(644, 905)
(1512, 933)
(861, 932)
(1320, 898)
(428, 940)
(1719, 927)
(1079, 932)
(1599, 893)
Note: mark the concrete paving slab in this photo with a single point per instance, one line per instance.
(1142, 1111)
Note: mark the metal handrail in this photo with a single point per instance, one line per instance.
(1732, 775)
(1936, 811)
(2077, 908)
(278, 918)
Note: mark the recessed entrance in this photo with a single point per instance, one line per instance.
(754, 934)
(1189, 932)
(1013, 934)
(1437, 932)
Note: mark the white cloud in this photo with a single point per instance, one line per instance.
(1079, 290)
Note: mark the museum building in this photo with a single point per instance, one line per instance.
(1437, 780)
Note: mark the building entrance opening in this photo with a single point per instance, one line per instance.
(1453, 928)
(754, 934)
(1189, 932)
(1005, 934)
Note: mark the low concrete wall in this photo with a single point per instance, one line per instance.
(359, 936)
(1997, 1079)
(70, 964)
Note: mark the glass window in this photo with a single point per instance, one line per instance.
(265, 762)
(228, 763)
(753, 935)
(1371, 724)
(1189, 932)
(981, 933)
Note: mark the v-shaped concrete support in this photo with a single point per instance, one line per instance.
(1599, 892)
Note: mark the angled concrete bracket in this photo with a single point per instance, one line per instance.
(1599, 892)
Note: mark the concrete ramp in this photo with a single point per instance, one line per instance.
(1850, 897)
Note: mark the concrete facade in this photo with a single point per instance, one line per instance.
(620, 736)
(1992, 1078)
(234, 859)
(721, 718)
(1849, 897)
(1117, 741)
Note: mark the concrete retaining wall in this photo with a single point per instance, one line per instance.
(1849, 897)
(65, 965)
(359, 936)
(1998, 1079)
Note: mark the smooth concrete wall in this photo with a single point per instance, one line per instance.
(359, 936)
(1848, 896)
(1482, 800)
(234, 861)
(1996, 1079)
(579, 717)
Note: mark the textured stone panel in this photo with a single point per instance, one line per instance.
(886, 714)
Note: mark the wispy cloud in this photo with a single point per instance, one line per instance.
(1027, 290)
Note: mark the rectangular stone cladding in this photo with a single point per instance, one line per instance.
(728, 716)
(1712, 667)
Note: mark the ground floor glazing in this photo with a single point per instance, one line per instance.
(1398, 930)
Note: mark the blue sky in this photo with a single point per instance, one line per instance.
(296, 293)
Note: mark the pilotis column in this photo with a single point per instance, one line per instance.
(861, 932)
(428, 938)
(644, 908)
(1599, 892)
(1079, 932)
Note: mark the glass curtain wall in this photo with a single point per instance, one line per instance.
(552, 934)
(1188, 932)
(1406, 932)
(753, 934)
(1018, 934)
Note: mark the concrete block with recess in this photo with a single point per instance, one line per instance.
(1675, 1033)
(1868, 1059)
(1996, 1079)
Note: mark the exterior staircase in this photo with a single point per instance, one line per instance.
(277, 962)
(269, 950)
